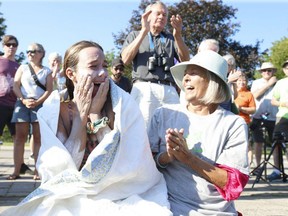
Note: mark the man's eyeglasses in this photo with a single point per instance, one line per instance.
(119, 68)
(32, 51)
(11, 44)
(267, 70)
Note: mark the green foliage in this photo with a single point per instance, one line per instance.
(2, 25)
(203, 20)
(279, 54)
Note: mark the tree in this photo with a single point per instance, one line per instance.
(20, 57)
(279, 54)
(203, 20)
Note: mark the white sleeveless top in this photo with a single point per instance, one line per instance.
(29, 88)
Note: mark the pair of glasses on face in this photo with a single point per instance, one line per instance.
(11, 44)
(267, 70)
(119, 68)
(32, 51)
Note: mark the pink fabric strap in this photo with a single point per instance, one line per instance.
(235, 183)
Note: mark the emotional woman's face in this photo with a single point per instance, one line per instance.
(91, 61)
(195, 83)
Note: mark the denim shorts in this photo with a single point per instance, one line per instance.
(23, 114)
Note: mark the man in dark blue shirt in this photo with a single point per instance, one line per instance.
(117, 76)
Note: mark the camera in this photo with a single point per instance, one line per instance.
(265, 115)
(279, 136)
(160, 61)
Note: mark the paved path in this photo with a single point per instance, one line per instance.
(262, 200)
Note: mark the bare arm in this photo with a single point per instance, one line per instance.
(261, 91)
(183, 51)
(129, 53)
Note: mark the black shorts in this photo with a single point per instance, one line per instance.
(5, 119)
(258, 126)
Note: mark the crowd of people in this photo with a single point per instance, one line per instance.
(173, 141)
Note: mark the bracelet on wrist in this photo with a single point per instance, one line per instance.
(157, 161)
(93, 128)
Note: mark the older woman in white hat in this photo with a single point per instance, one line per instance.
(200, 148)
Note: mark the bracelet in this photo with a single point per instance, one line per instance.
(93, 128)
(157, 160)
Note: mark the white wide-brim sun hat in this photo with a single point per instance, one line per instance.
(208, 60)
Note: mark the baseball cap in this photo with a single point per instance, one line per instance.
(116, 62)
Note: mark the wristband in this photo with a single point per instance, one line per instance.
(157, 160)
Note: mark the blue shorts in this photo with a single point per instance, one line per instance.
(23, 114)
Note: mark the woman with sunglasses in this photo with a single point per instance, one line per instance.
(8, 68)
(30, 96)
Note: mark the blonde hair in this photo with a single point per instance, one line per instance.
(217, 91)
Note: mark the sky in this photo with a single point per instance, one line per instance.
(59, 24)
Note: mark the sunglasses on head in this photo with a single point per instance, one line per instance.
(32, 51)
(11, 44)
(267, 70)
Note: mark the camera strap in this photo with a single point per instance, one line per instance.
(152, 42)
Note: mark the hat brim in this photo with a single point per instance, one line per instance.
(207, 60)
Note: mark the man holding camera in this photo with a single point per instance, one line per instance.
(152, 52)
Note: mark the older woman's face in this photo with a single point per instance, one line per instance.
(91, 61)
(195, 83)
(34, 53)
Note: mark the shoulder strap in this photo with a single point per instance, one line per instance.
(35, 78)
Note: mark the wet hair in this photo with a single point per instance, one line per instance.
(7, 38)
(71, 60)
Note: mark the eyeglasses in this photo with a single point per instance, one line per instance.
(33, 51)
(119, 68)
(267, 70)
(11, 44)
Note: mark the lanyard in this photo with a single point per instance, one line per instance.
(151, 42)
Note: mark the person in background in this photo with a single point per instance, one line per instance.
(209, 44)
(119, 175)
(246, 105)
(117, 69)
(201, 148)
(55, 65)
(8, 68)
(152, 52)
(280, 100)
(30, 96)
(265, 116)
(232, 77)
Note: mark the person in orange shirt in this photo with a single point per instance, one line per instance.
(246, 104)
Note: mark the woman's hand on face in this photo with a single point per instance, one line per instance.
(100, 98)
(83, 96)
(176, 144)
